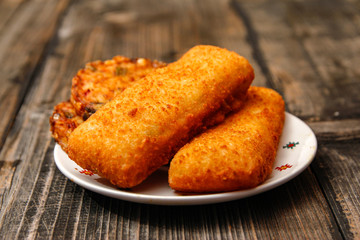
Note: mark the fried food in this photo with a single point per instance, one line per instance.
(94, 86)
(237, 154)
(63, 121)
(100, 81)
(142, 127)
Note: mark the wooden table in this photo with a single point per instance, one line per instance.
(306, 50)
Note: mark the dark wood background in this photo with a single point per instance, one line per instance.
(308, 50)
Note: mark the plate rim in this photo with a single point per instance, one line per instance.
(194, 199)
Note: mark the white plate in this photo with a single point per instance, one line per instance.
(296, 151)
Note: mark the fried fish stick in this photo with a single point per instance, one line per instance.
(142, 127)
(237, 154)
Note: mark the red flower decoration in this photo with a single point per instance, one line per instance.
(283, 167)
(86, 172)
(291, 145)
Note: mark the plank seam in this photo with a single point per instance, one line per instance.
(333, 215)
(253, 40)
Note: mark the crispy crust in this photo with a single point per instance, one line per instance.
(141, 128)
(63, 121)
(237, 154)
(94, 86)
(99, 81)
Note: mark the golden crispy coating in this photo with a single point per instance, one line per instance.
(62, 122)
(94, 86)
(239, 153)
(99, 81)
(141, 128)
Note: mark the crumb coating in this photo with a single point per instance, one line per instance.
(142, 127)
(237, 154)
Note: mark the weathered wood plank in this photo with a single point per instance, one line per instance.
(338, 170)
(29, 150)
(331, 38)
(283, 213)
(7, 9)
(348, 129)
(23, 41)
(310, 50)
(53, 201)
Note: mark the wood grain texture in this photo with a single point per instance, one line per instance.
(337, 130)
(7, 9)
(338, 171)
(307, 50)
(309, 53)
(23, 41)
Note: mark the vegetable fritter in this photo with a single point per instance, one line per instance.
(63, 121)
(100, 81)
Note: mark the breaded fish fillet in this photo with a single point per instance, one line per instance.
(141, 128)
(100, 81)
(62, 122)
(239, 153)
